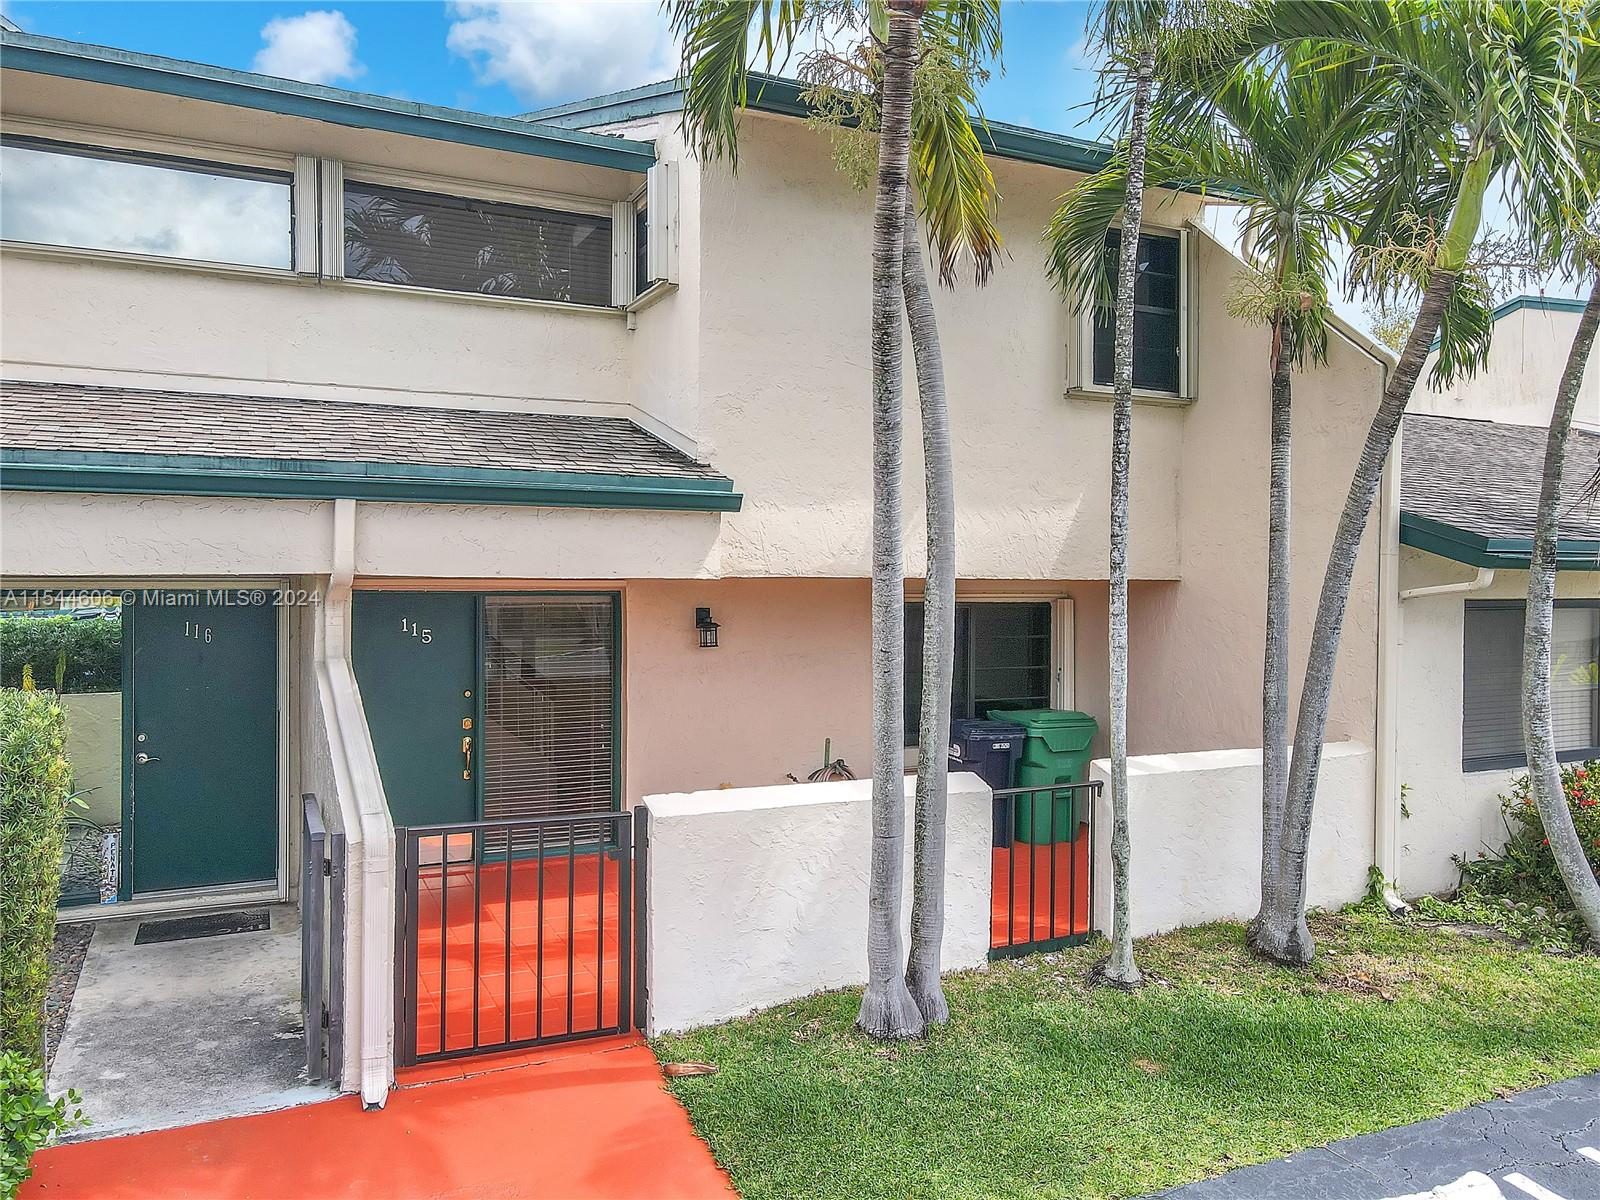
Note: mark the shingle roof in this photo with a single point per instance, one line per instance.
(63, 416)
(1483, 477)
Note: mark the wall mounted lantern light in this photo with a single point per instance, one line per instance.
(706, 627)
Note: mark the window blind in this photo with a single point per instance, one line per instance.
(1491, 721)
(1157, 319)
(420, 239)
(549, 706)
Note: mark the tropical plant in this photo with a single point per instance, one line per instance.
(1478, 93)
(29, 1118)
(1133, 35)
(35, 781)
(66, 654)
(862, 97)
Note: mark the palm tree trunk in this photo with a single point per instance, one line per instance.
(938, 640)
(1275, 666)
(1538, 737)
(1120, 968)
(887, 1010)
(1280, 932)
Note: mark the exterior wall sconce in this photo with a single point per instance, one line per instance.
(706, 627)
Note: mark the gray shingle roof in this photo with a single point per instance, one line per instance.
(1484, 477)
(115, 420)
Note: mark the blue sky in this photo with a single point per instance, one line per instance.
(547, 52)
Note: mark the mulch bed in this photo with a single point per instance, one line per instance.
(66, 963)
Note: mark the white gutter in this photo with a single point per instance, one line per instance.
(369, 832)
(1477, 583)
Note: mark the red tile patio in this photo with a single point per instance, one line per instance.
(1021, 907)
(587, 1121)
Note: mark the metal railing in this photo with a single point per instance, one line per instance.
(1043, 875)
(496, 950)
(322, 910)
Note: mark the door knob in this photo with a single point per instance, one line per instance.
(466, 758)
(141, 758)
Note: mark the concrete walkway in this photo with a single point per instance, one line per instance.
(584, 1121)
(171, 1033)
(1542, 1144)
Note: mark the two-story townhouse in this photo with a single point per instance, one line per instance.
(452, 467)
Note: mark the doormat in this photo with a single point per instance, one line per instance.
(252, 920)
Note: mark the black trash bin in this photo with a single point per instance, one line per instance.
(990, 750)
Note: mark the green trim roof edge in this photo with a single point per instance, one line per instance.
(60, 57)
(316, 479)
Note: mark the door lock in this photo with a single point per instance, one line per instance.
(141, 758)
(466, 758)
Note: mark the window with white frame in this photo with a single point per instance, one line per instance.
(95, 198)
(455, 244)
(1161, 365)
(1010, 654)
(1491, 718)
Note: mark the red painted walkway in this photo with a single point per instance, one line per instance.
(1024, 882)
(580, 1122)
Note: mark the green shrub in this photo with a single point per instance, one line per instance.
(65, 655)
(1526, 869)
(29, 1119)
(34, 785)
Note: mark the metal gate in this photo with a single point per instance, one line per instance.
(322, 888)
(514, 933)
(1042, 883)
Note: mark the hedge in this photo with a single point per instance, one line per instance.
(66, 655)
(34, 785)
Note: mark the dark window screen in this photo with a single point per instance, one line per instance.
(1157, 319)
(1491, 719)
(1002, 660)
(641, 249)
(392, 235)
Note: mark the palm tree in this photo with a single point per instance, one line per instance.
(1580, 247)
(1480, 92)
(1132, 33)
(939, 148)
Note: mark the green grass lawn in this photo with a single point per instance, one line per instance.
(1041, 1086)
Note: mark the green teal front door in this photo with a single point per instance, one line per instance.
(203, 746)
(415, 657)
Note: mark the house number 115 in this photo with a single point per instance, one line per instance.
(408, 626)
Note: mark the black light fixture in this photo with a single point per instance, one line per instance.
(706, 627)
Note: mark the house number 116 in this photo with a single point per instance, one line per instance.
(408, 626)
(200, 633)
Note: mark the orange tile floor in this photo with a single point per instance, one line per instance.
(1021, 906)
(586, 1121)
(546, 965)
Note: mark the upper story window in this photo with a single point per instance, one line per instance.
(1157, 316)
(58, 194)
(1491, 718)
(421, 239)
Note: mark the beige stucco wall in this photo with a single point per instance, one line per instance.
(1518, 383)
(1452, 812)
(1197, 645)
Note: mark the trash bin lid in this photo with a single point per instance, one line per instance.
(1045, 718)
(979, 727)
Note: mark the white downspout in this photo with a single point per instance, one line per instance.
(369, 831)
(1386, 784)
(1477, 583)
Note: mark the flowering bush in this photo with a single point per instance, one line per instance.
(1526, 866)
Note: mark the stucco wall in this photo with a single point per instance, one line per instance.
(759, 895)
(1518, 383)
(1197, 645)
(94, 748)
(1452, 811)
(1195, 826)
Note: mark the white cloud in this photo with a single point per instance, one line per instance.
(554, 50)
(317, 47)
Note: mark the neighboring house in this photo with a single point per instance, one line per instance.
(1469, 497)
(426, 451)
(1532, 335)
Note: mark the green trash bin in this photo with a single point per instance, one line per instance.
(1056, 751)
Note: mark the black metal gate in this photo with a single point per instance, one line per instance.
(322, 889)
(1043, 877)
(514, 933)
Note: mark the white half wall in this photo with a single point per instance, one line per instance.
(759, 895)
(1195, 827)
